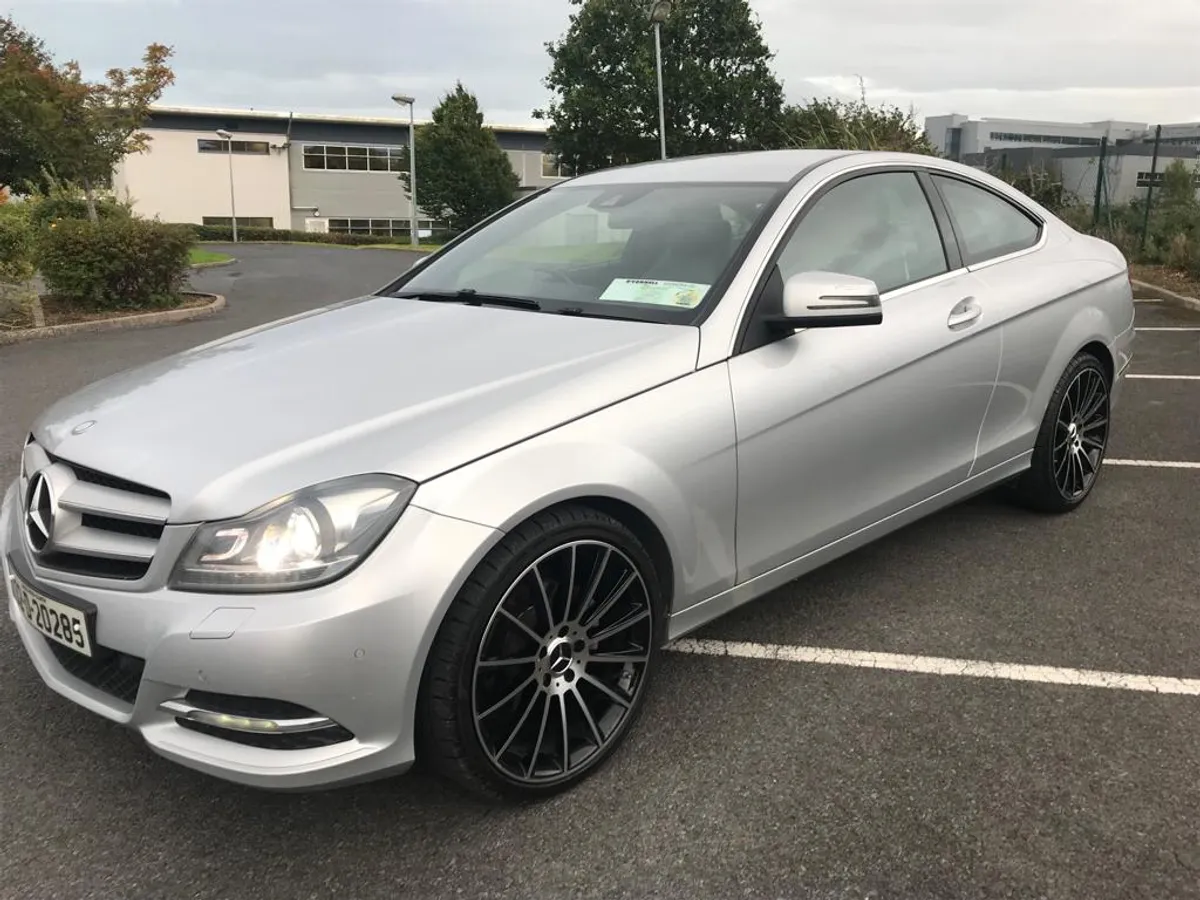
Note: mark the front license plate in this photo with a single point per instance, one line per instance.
(56, 620)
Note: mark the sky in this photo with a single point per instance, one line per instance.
(1058, 60)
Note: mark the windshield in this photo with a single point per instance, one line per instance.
(638, 251)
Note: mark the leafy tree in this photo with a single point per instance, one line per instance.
(51, 119)
(102, 121)
(463, 175)
(28, 112)
(720, 93)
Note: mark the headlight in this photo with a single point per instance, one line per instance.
(298, 541)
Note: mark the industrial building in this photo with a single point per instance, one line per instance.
(958, 136)
(1072, 150)
(299, 171)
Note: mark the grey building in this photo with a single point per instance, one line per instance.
(300, 171)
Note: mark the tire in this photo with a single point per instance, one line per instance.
(495, 730)
(1071, 442)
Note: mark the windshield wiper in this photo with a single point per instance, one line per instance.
(471, 297)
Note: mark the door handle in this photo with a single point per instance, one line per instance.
(964, 313)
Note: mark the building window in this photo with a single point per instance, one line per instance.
(343, 158)
(553, 168)
(211, 145)
(1066, 140)
(377, 227)
(243, 221)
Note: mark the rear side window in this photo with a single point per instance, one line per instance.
(988, 226)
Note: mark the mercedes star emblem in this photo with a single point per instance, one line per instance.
(39, 513)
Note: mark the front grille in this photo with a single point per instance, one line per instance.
(261, 708)
(116, 674)
(103, 526)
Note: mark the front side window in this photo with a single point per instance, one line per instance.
(988, 226)
(641, 251)
(874, 226)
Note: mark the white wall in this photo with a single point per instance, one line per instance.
(175, 182)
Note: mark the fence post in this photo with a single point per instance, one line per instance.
(1100, 163)
(1150, 191)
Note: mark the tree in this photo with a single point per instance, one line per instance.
(28, 112)
(463, 174)
(51, 119)
(720, 93)
(102, 121)
(835, 124)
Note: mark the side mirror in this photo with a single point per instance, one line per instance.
(828, 300)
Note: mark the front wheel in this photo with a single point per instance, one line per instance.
(541, 665)
(1071, 442)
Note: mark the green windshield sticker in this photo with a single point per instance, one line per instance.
(684, 294)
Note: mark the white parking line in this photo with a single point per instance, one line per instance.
(1167, 377)
(1152, 463)
(935, 665)
(1146, 300)
(1168, 328)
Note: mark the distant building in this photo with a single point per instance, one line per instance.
(958, 136)
(299, 171)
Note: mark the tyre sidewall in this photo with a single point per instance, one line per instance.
(1043, 482)
(582, 525)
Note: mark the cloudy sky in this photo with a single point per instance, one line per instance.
(1072, 60)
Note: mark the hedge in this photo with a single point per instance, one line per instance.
(16, 250)
(225, 233)
(116, 263)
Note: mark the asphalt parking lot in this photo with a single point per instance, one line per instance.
(747, 777)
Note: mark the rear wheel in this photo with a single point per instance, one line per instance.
(541, 665)
(1071, 442)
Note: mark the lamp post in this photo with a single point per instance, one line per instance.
(660, 11)
(406, 100)
(228, 139)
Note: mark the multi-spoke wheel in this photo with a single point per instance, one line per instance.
(1072, 440)
(543, 660)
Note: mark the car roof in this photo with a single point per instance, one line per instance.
(759, 166)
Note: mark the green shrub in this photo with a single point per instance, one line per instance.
(45, 210)
(16, 250)
(17, 296)
(116, 263)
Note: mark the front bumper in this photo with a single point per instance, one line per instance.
(352, 651)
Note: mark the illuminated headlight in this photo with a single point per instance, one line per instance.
(298, 541)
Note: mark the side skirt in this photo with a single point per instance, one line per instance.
(699, 614)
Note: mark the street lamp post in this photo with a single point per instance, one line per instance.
(405, 100)
(228, 139)
(660, 11)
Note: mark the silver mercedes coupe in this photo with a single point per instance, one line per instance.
(455, 521)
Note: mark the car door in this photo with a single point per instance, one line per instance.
(841, 427)
(1003, 245)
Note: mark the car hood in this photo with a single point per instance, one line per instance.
(376, 384)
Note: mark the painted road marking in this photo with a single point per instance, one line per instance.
(1146, 300)
(1168, 328)
(935, 665)
(1167, 377)
(1152, 463)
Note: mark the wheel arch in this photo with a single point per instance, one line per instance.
(637, 521)
(1101, 351)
